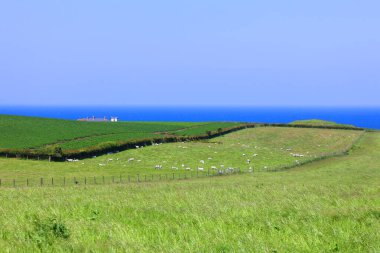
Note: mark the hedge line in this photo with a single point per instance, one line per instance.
(55, 153)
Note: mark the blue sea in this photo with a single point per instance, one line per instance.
(361, 117)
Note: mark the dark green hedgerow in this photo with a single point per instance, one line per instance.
(54, 152)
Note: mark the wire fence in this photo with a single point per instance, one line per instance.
(119, 179)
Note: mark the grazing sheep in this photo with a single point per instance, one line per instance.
(187, 168)
(254, 155)
(201, 169)
(174, 168)
(101, 164)
(230, 170)
(248, 161)
(213, 167)
(243, 154)
(202, 161)
(131, 159)
(137, 146)
(158, 167)
(210, 158)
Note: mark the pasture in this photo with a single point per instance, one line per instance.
(19, 132)
(264, 147)
(332, 205)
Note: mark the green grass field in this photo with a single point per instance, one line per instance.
(332, 205)
(270, 144)
(317, 122)
(19, 132)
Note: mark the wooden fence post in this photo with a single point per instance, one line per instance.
(27, 182)
(113, 179)
(64, 181)
(52, 181)
(138, 177)
(14, 182)
(173, 176)
(41, 181)
(85, 180)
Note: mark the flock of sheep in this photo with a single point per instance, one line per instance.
(201, 164)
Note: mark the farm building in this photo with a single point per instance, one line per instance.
(104, 119)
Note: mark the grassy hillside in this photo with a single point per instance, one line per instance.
(317, 122)
(270, 145)
(329, 206)
(30, 132)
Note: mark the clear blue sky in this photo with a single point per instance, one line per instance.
(198, 52)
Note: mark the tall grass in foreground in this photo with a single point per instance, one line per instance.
(329, 206)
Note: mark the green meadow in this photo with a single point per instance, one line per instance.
(266, 148)
(18, 132)
(328, 200)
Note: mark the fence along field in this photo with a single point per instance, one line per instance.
(267, 148)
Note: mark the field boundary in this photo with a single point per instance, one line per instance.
(114, 180)
(158, 177)
(57, 154)
(324, 156)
